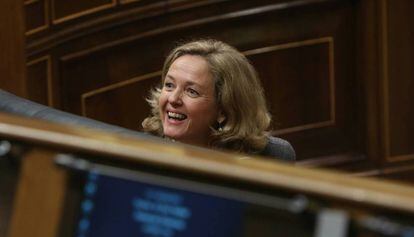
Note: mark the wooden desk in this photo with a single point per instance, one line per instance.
(41, 188)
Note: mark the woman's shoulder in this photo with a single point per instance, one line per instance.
(278, 148)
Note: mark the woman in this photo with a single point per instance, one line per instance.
(211, 96)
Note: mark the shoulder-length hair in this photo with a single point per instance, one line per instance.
(238, 93)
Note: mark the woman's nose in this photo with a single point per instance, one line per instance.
(175, 97)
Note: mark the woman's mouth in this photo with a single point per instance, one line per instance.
(176, 116)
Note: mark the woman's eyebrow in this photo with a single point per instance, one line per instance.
(193, 83)
(170, 77)
(187, 82)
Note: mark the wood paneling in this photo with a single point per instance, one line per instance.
(153, 17)
(36, 16)
(310, 85)
(39, 80)
(398, 82)
(82, 74)
(62, 11)
(121, 103)
(337, 74)
(368, 74)
(12, 59)
(384, 65)
(300, 87)
(300, 73)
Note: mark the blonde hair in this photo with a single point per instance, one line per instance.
(238, 92)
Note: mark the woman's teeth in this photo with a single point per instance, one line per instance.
(176, 116)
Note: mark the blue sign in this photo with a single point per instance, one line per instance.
(121, 207)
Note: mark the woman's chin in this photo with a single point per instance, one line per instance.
(178, 138)
(172, 135)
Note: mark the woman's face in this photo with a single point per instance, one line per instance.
(187, 104)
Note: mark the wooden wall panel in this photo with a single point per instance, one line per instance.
(91, 71)
(300, 89)
(39, 80)
(327, 109)
(36, 16)
(12, 47)
(300, 67)
(302, 96)
(398, 83)
(121, 103)
(343, 102)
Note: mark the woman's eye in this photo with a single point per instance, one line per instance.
(168, 85)
(192, 92)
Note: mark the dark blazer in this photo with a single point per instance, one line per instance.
(279, 149)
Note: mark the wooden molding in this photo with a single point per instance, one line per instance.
(332, 161)
(56, 20)
(46, 24)
(384, 77)
(188, 24)
(128, 1)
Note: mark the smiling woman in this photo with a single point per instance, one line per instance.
(187, 104)
(210, 96)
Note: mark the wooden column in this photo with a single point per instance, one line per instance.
(40, 196)
(12, 46)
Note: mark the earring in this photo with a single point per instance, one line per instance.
(220, 126)
(221, 119)
(220, 122)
